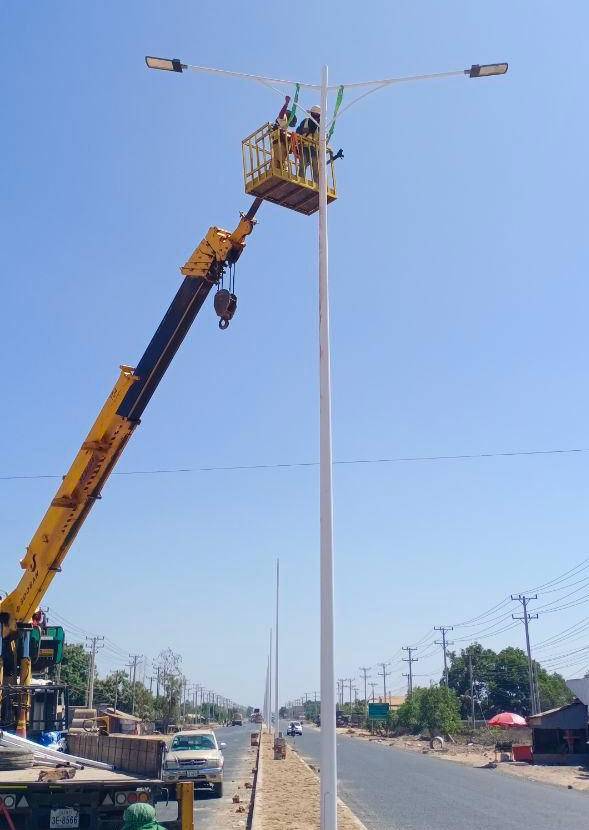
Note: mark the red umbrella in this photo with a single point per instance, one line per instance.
(507, 719)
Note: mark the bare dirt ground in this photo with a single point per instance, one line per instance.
(287, 796)
(575, 777)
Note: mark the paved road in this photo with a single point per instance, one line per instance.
(210, 813)
(390, 789)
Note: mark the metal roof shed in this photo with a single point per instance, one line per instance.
(560, 734)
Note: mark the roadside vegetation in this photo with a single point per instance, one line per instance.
(162, 701)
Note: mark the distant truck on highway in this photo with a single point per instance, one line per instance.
(236, 719)
(257, 716)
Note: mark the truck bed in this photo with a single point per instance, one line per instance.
(28, 776)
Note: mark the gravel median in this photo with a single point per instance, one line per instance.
(287, 794)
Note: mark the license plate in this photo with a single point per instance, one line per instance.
(64, 817)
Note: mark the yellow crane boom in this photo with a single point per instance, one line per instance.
(118, 418)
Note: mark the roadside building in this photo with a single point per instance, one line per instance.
(561, 734)
(394, 701)
(121, 723)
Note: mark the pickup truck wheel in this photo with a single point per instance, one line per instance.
(218, 790)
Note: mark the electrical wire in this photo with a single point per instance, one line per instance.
(295, 464)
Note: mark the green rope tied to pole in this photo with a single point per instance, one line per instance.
(338, 103)
(294, 105)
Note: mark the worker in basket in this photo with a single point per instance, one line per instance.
(281, 144)
(308, 157)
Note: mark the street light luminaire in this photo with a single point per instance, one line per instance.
(168, 64)
(487, 69)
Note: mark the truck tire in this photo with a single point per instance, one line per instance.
(15, 758)
(218, 790)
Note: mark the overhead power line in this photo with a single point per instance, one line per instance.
(301, 464)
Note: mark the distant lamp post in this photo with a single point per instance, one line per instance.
(484, 71)
(167, 64)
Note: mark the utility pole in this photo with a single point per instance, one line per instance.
(537, 686)
(364, 670)
(133, 668)
(384, 674)
(471, 689)
(349, 681)
(443, 629)
(410, 660)
(340, 690)
(276, 703)
(373, 686)
(525, 619)
(270, 688)
(92, 670)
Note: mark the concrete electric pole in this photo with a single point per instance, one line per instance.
(133, 671)
(364, 670)
(410, 659)
(525, 619)
(443, 629)
(92, 669)
(384, 674)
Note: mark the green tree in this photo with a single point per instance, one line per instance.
(501, 681)
(436, 709)
(483, 665)
(439, 710)
(408, 713)
(74, 671)
(553, 689)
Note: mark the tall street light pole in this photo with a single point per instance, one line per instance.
(276, 704)
(328, 689)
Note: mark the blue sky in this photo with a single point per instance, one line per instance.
(459, 296)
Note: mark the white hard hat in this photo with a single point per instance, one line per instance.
(315, 110)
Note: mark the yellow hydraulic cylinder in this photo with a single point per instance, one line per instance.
(24, 704)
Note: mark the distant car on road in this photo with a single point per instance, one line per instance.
(295, 727)
(196, 756)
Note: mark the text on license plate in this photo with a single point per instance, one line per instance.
(64, 817)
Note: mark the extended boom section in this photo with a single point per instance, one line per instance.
(82, 486)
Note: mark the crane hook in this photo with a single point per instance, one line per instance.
(225, 306)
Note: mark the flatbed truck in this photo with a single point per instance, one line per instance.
(93, 800)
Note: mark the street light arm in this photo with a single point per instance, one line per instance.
(475, 71)
(404, 79)
(213, 71)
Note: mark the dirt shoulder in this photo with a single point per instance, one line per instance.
(287, 794)
(571, 776)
